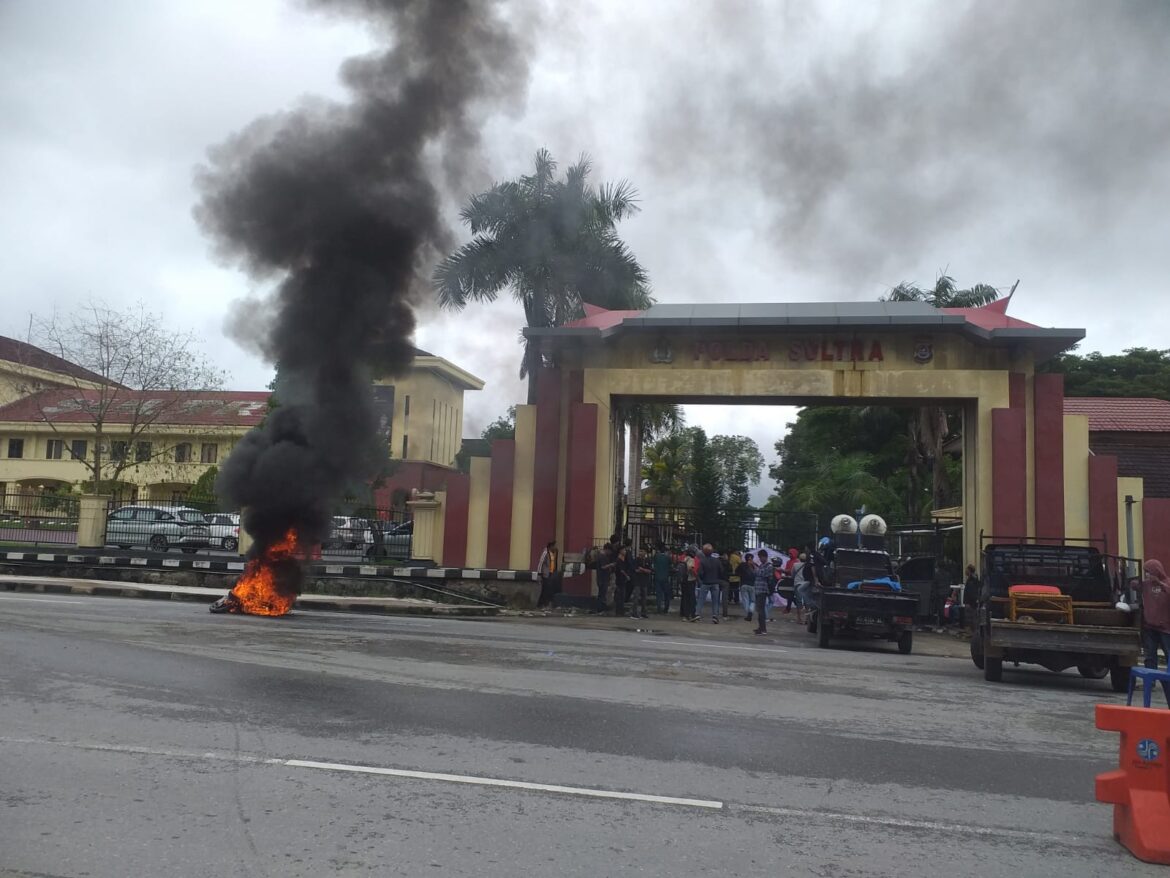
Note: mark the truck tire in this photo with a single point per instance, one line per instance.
(977, 649)
(1119, 679)
(812, 622)
(1091, 673)
(824, 632)
(906, 642)
(992, 669)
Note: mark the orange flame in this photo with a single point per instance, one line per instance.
(256, 591)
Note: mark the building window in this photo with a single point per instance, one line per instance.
(78, 449)
(119, 450)
(142, 452)
(405, 445)
(15, 448)
(54, 449)
(209, 453)
(183, 452)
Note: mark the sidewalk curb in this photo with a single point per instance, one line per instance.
(369, 606)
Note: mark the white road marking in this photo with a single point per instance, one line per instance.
(708, 804)
(711, 645)
(9, 597)
(508, 784)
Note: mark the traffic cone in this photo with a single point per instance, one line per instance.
(1139, 789)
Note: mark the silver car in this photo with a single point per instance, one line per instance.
(225, 529)
(158, 526)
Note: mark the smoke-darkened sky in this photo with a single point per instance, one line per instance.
(786, 151)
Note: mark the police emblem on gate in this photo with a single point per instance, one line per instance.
(1147, 749)
(923, 351)
(662, 352)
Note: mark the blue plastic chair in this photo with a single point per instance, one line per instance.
(1149, 677)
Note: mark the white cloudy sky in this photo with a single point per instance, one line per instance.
(787, 151)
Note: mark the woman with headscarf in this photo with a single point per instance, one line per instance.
(1154, 596)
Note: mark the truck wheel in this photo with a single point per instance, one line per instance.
(906, 642)
(1119, 679)
(824, 632)
(1091, 673)
(992, 669)
(812, 623)
(977, 649)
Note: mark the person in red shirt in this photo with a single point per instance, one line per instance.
(1154, 594)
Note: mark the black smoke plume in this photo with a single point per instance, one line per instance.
(340, 205)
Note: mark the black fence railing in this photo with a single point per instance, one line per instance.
(369, 534)
(38, 518)
(726, 528)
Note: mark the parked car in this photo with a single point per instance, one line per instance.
(225, 529)
(159, 527)
(393, 541)
(349, 533)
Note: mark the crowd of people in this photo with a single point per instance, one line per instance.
(759, 581)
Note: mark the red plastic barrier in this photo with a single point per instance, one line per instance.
(1140, 789)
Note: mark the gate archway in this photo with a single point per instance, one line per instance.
(1027, 471)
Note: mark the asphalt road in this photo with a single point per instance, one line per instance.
(149, 738)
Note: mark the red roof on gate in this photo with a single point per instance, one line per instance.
(196, 408)
(597, 317)
(1119, 414)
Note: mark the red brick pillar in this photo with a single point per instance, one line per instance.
(455, 520)
(1009, 473)
(580, 485)
(1103, 501)
(1048, 400)
(499, 536)
(546, 465)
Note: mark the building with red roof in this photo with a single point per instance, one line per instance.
(155, 444)
(1135, 430)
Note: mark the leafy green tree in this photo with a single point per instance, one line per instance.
(204, 487)
(666, 470)
(828, 448)
(648, 422)
(739, 463)
(553, 243)
(503, 427)
(706, 489)
(1134, 372)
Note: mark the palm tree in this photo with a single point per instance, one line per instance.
(666, 470)
(648, 422)
(553, 243)
(930, 427)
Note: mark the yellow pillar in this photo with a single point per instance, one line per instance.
(1076, 476)
(520, 550)
(477, 511)
(427, 513)
(91, 521)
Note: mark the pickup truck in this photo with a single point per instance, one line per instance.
(1081, 627)
(863, 599)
